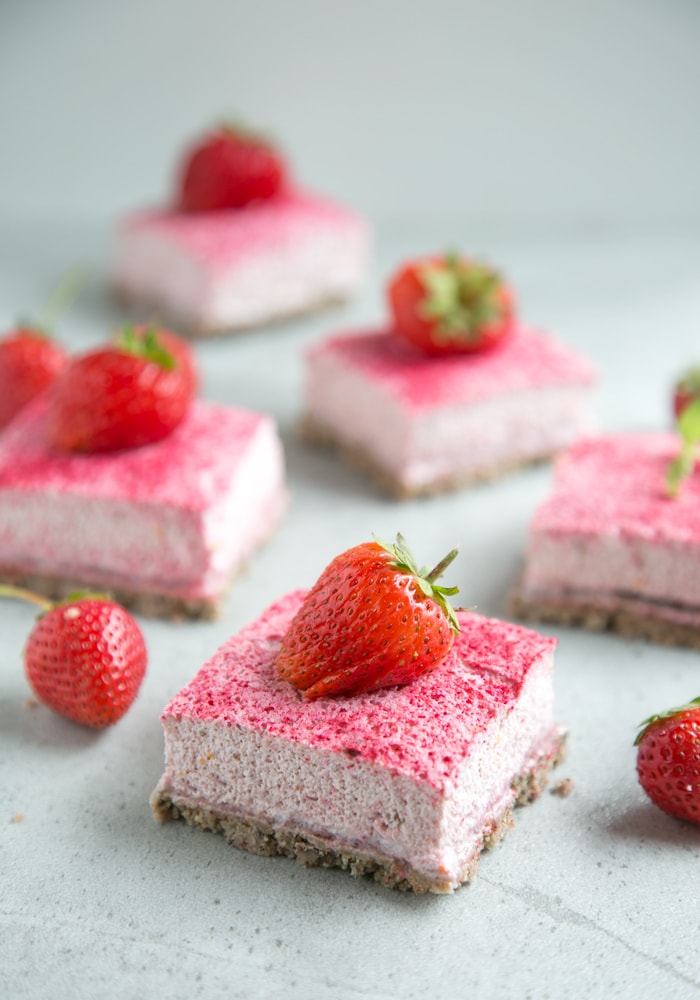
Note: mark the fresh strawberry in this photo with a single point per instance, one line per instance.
(85, 659)
(29, 362)
(123, 396)
(668, 760)
(686, 390)
(372, 620)
(450, 305)
(229, 168)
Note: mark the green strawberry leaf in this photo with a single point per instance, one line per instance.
(405, 561)
(681, 467)
(461, 296)
(146, 345)
(668, 714)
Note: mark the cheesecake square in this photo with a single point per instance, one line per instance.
(211, 272)
(162, 527)
(407, 784)
(422, 425)
(610, 549)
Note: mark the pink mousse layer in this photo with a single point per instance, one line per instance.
(616, 485)
(220, 239)
(413, 730)
(527, 360)
(191, 469)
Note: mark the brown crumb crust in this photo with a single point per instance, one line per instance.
(309, 850)
(624, 619)
(150, 605)
(315, 433)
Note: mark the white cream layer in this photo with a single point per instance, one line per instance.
(173, 550)
(321, 265)
(418, 447)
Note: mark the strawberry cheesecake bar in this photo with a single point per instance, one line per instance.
(163, 526)
(612, 548)
(242, 245)
(423, 424)
(405, 783)
(452, 390)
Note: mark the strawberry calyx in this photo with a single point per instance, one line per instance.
(688, 426)
(404, 560)
(145, 344)
(462, 297)
(668, 714)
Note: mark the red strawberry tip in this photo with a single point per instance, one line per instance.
(668, 714)
(404, 560)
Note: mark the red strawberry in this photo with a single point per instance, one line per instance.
(29, 362)
(668, 760)
(85, 660)
(372, 620)
(449, 305)
(228, 169)
(686, 390)
(130, 394)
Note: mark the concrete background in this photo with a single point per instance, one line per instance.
(546, 112)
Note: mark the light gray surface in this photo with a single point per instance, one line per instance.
(590, 896)
(523, 110)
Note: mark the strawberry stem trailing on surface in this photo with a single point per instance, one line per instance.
(404, 560)
(682, 466)
(21, 594)
(668, 714)
(62, 296)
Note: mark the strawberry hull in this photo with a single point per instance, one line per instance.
(423, 424)
(163, 527)
(610, 549)
(407, 783)
(235, 268)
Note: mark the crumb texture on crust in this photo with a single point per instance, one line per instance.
(623, 618)
(308, 849)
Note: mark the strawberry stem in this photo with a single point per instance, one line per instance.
(438, 570)
(20, 594)
(62, 296)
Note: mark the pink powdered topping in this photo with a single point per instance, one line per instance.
(423, 729)
(222, 238)
(527, 360)
(616, 484)
(190, 469)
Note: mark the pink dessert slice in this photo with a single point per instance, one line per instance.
(426, 424)
(406, 783)
(215, 271)
(163, 527)
(610, 549)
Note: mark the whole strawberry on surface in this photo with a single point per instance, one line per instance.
(229, 168)
(668, 760)
(686, 390)
(125, 395)
(450, 305)
(29, 362)
(85, 658)
(372, 620)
